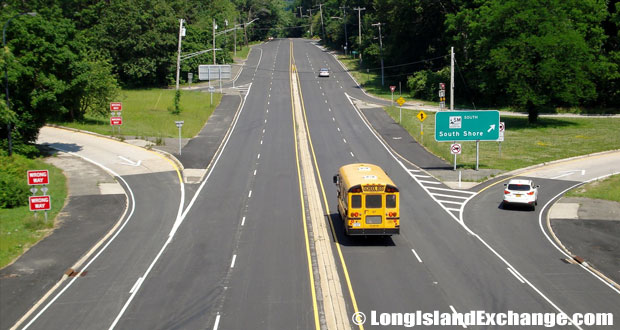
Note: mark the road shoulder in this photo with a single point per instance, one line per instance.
(95, 203)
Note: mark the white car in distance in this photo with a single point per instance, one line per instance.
(520, 192)
(324, 72)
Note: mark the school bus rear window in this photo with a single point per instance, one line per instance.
(373, 201)
(390, 201)
(356, 201)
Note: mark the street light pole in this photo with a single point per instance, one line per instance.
(359, 24)
(214, 27)
(179, 52)
(6, 79)
(380, 51)
(346, 37)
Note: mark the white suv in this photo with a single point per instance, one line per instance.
(522, 192)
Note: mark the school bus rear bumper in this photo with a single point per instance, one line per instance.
(372, 231)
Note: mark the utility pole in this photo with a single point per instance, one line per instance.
(451, 78)
(380, 51)
(310, 10)
(179, 52)
(299, 11)
(359, 24)
(214, 27)
(346, 37)
(322, 25)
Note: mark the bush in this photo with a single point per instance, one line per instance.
(13, 185)
(425, 84)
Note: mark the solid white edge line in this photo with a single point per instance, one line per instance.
(133, 207)
(232, 263)
(460, 218)
(191, 203)
(416, 255)
(515, 275)
(556, 246)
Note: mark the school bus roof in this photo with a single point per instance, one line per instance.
(363, 173)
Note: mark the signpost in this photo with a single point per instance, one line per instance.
(38, 177)
(392, 89)
(116, 120)
(116, 106)
(481, 125)
(38, 203)
(442, 95)
(455, 149)
(179, 124)
(400, 102)
(502, 128)
(421, 117)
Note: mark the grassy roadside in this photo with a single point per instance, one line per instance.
(608, 189)
(145, 114)
(371, 81)
(525, 144)
(19, 229)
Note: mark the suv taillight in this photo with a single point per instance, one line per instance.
(506, 192)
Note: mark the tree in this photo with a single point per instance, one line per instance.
(540, 54)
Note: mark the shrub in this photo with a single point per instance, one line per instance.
(425, 84)
(13, 185)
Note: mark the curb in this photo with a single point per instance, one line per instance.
(575, 258)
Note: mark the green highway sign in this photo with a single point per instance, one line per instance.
(482, 125)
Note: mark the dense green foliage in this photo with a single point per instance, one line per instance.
(531, 55)
(13, 186)
(71, 59)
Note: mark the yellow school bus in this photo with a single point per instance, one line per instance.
(368, 200)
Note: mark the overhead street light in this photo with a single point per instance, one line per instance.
(6, 78)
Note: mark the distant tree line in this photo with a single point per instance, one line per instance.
(532, 55)
(72, 58)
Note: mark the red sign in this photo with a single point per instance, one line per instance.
(392, 88)
(116, 106)
(116, 121)
(455, 149)
(40, 203)
(38, 177)
(442, 86)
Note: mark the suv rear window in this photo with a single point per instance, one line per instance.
(519, 187)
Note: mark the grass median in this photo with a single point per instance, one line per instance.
(525, 144)
(146, 114)
(608, 189)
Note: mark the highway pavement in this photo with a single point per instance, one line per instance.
(235, 252)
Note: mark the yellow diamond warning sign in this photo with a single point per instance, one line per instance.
(421, 115)
(400, 101)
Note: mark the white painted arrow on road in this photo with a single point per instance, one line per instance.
(130, 162)
(567, 173)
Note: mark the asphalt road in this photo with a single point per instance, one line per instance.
(234, 256)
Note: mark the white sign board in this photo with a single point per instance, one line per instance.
(455, 149)
(502, 128)
(214, 72)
